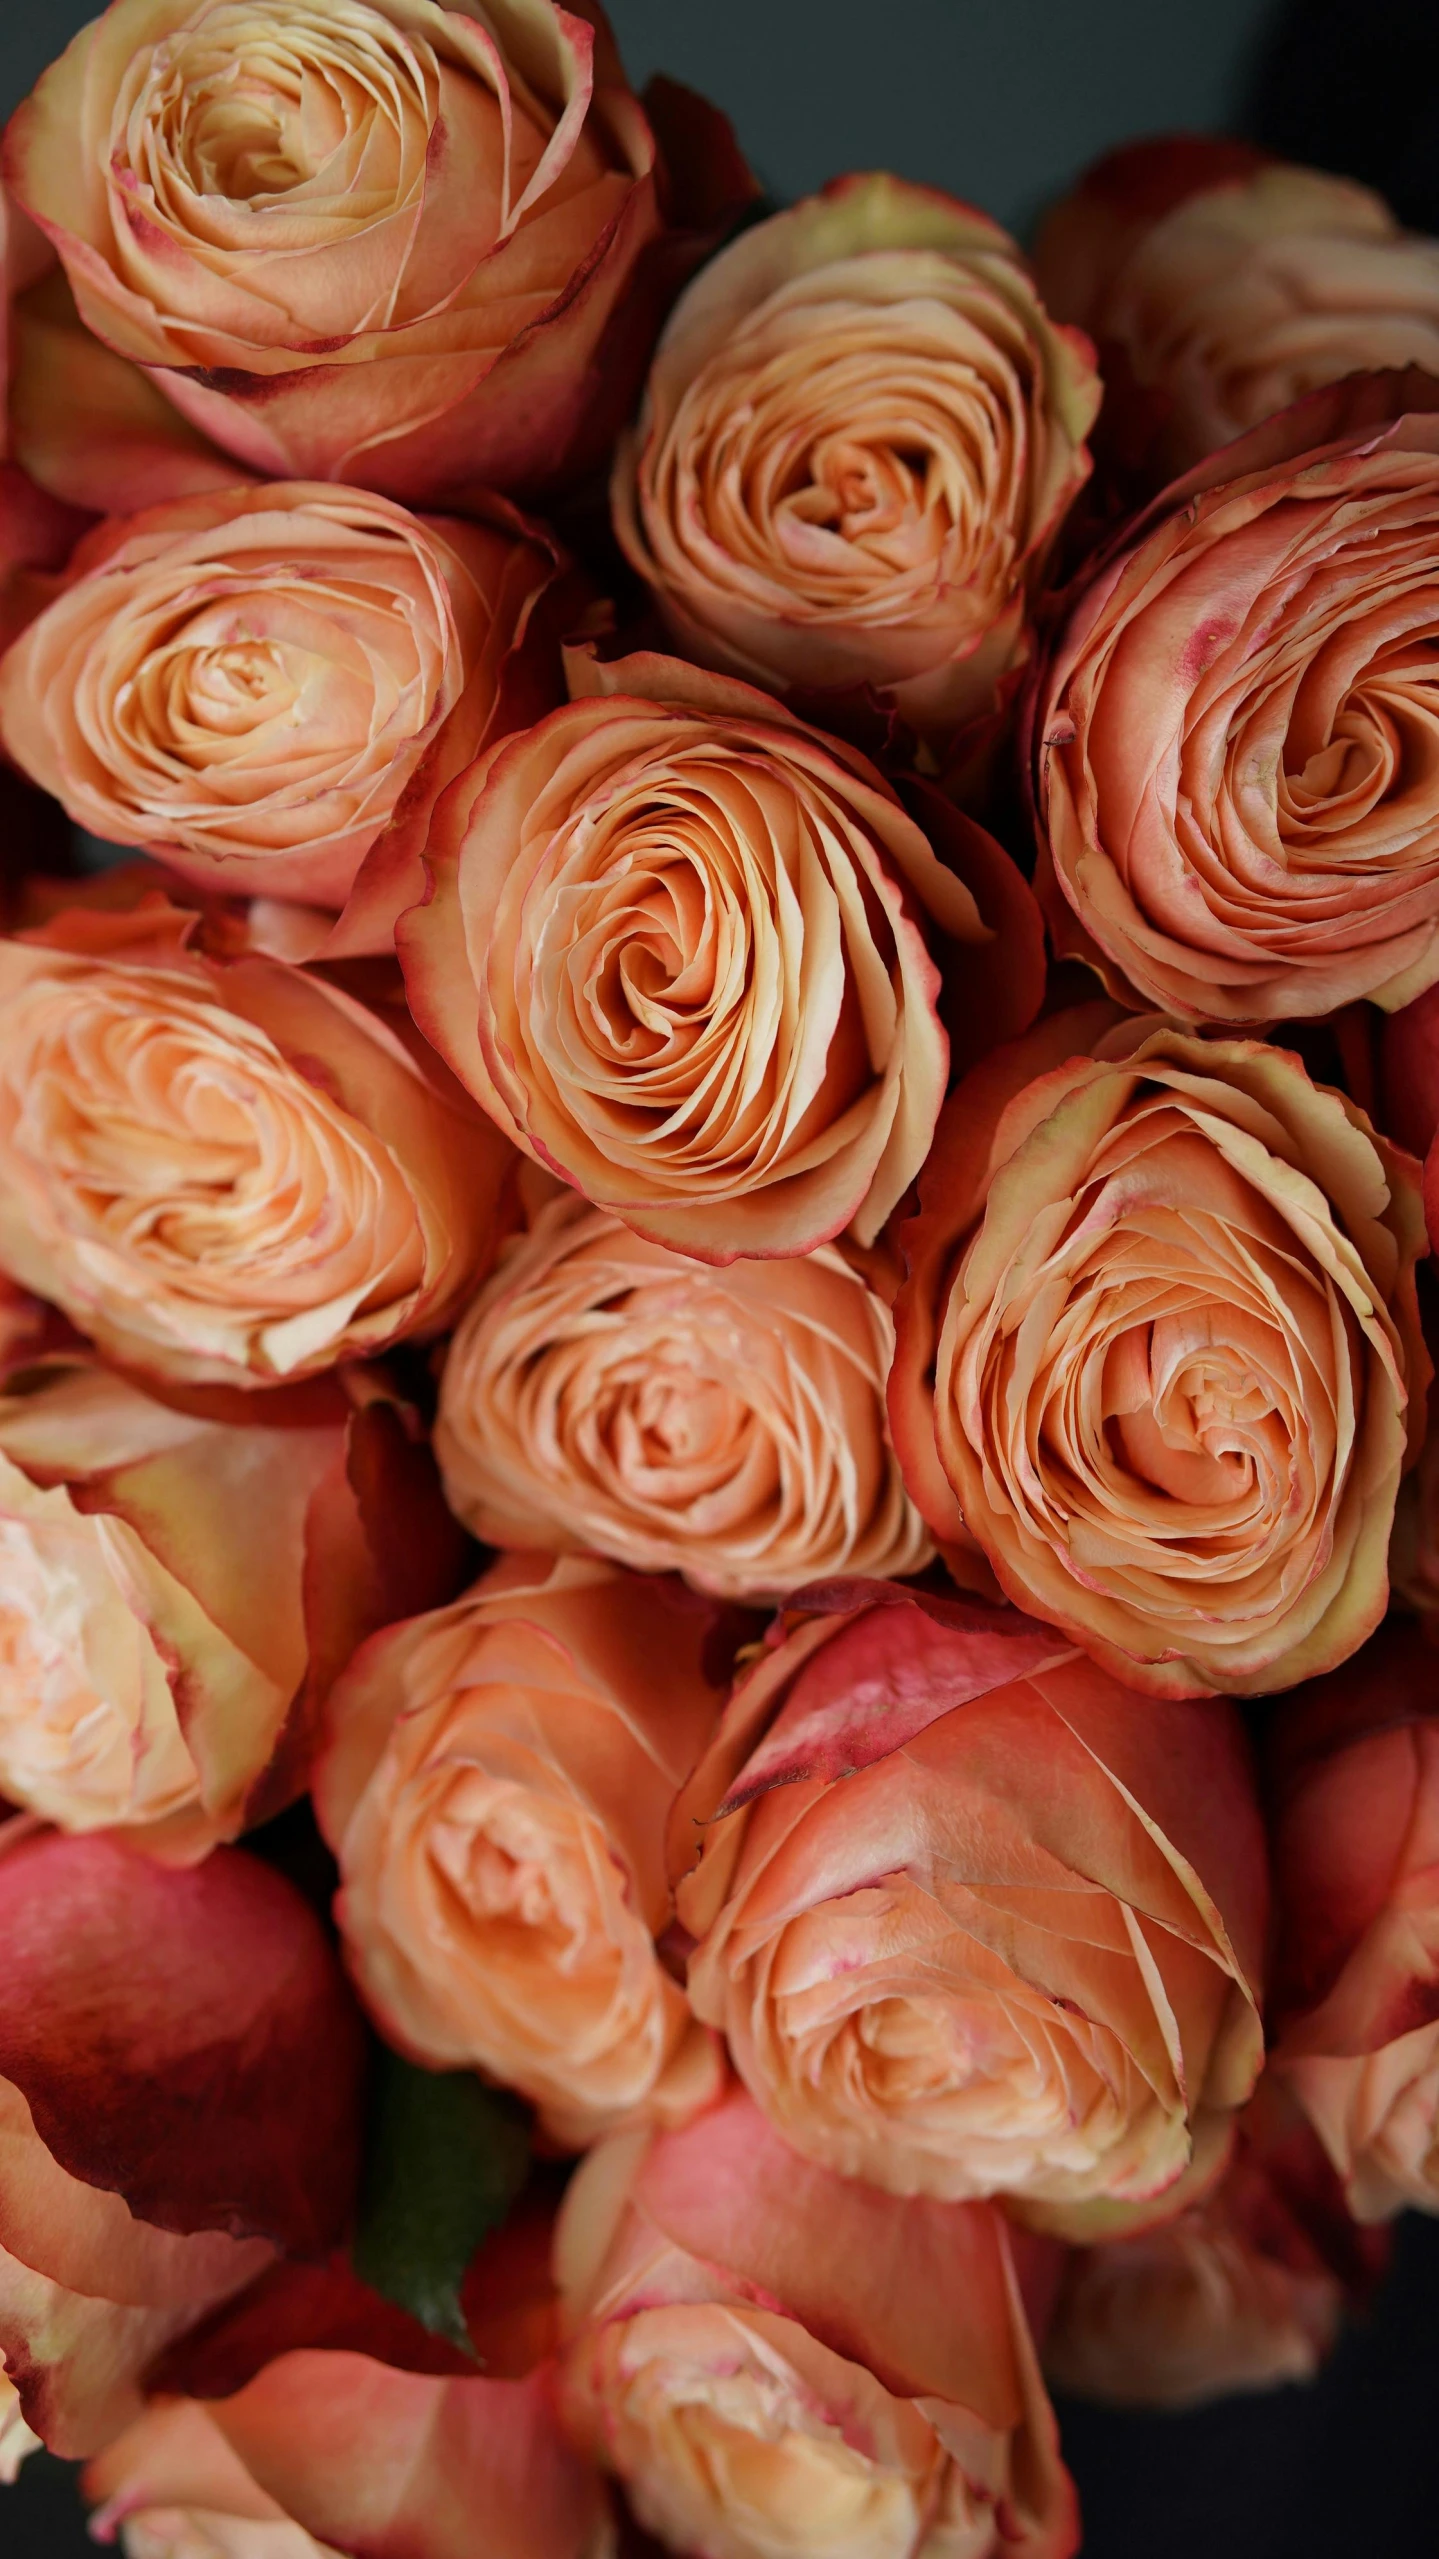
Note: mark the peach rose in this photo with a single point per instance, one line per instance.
(1355, 1768)
(495, 1787)
(229, 1172)
(177, 1587)
(860, 436)
(269, 687)
(1220, 285)
(1159, 1358)
(1238, 807)
(181, 2074)
(676, 945)
(971, 1921)
(419, 248)
(727, 1424)
(777, 2362)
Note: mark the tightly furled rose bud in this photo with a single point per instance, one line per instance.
(860, 436)
(777, 2362)
(973, 1920)
(1355, 2019)
(266, 686)
(229, 1172)
(727, 1424)
(1219, 286)
(495, 1786)
(1159, 1358)
(1238, 805)
(420, 248)
(676, 945)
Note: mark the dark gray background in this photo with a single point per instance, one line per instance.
(1002, 101)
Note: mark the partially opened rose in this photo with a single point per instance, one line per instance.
(1355, 1775)
(859, 438)
(727, 1424)
(178, 1587)
(1235, 772)
(677, 946)
(777, 2362)
(233, 1172)
(972, 1919)
(495, 1788)
(1159, 1361)
(415, 247)
(269, 687)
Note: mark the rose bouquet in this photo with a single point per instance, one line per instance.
(719, 1506)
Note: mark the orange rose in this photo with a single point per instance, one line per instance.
(1238, 807)
(1159, 1358)
(777, 2362)
(676, 945)
(495, 1788)
(269, 687)
(859, 439)
(972, 1921)
(415, 247)
(727, 1424)
(230, 1172)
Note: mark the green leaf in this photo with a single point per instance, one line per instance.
(446, 2158)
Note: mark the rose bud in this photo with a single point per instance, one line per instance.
(180, 2082)
(1159, 1358)
(178, 1586)
(1220, 285)
(269, 687)
(495, 1787)
(1245, 2290)
(229, 1172)
(860, 436)
(1354, 1766)
(771, 2358)
(973, 1920)
(603, 1392)
(676, 944)
(1238, 817)
(464, 224)
(330, 2452)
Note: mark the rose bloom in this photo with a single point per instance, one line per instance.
(1355, 1776)
(676, 945)
(778, 2362)
(268, 687)
(1238, 808)
(414, 247)
(177, 1587)
(228, 1172)
(859, 438)
(181, 2072)
(973, 1922)
(1159, 1358)
(1220, 285)
(729, 1424)
(495, 1787)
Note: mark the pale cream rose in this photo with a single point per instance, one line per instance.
(727, 1424)
(495, 1787)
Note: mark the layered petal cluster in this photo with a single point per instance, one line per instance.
(729, 1424)
(495, 1788)
(972, 1922)
(266, 685)
(777, 2362)
(1159, 1358)
(860, 435)
(228, 1171)
(1237, 738)
(677, 946)
(1355, 1767)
